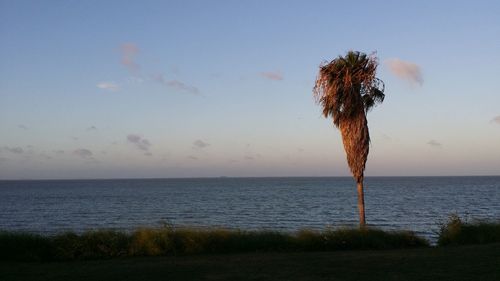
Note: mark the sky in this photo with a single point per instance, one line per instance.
(132, 89)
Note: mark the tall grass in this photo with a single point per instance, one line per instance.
(184, 241)
(456, 231)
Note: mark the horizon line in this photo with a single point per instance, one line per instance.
(236, 177)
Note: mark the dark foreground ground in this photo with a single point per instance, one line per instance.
(475, 262)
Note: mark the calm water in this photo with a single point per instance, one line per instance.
(415, 203)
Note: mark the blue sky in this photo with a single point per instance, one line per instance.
(108, 89)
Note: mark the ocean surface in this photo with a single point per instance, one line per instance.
(420, 204)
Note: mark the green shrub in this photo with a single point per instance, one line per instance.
(457, 232)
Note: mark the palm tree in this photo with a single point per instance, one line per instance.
(347, 89)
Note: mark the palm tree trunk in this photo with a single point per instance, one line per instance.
(361, 204)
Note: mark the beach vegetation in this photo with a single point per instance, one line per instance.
(104, 244)
(457, 231)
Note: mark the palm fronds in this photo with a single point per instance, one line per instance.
(347, 85)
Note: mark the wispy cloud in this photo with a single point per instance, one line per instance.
(496, 119)
(200, 144)
(129, 51)
(406, 70)
(15, 150)
(192, 157)
(176, 85)
(434, 143)
(59, 151)
(139, 142)
(109, 86)
(83, 153)
(250, 158)
(181, 86)
(92, 128)
(22, 127)
(276, 76)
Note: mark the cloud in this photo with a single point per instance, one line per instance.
(59, 151)
(406, 70)
(200, 144)
(148, 154)
(249, 157)
(22, 127)
(192, 157)
(496, 119)
(15, 150)
(176, 84)
(434, 143)
(109, 86)
(129, 52)
(139, 142)
(82, 152)
(276, 76)
(92, 128)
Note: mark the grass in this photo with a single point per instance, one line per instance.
(169, 241)
(457, 232)
(170, 253)
(461, 263)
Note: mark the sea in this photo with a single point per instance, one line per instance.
(419, 204)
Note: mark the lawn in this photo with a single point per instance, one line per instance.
(469, 262)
